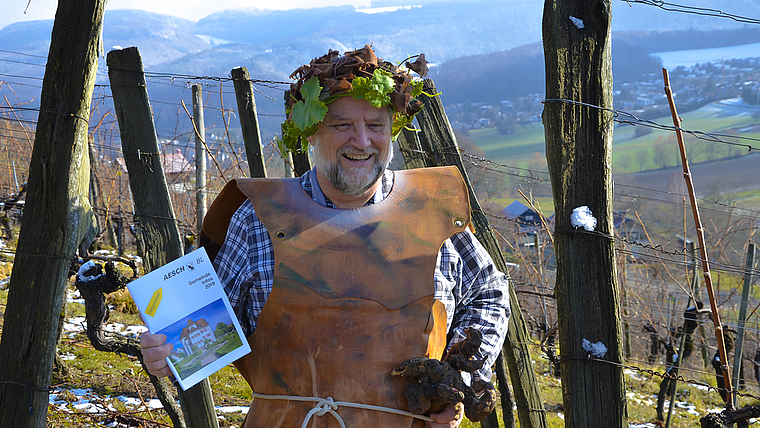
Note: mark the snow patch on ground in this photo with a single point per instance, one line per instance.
(641, 399)
(633, 374)
(85, 400)
(75, 325)
(68, 356)
(73, 296)
(232, 409)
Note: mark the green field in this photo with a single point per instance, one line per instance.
(514, 149)
(645, 155)
(633, 150)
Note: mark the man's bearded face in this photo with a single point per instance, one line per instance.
(352, 146)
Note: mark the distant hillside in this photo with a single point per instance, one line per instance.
(674, 40)
(276, 42)
(497, 76)
(161, 38)
(484, 50)
(442, 29)
(517, 72)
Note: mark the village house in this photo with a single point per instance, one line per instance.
(626, 227)
(526, 218)
(196, 334)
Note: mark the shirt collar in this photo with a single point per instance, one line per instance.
(310, 181)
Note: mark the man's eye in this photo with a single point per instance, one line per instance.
(342, 126)
(376, 127)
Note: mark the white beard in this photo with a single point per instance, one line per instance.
(353, 182)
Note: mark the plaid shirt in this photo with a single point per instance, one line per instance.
(474, 293)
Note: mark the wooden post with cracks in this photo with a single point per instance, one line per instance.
(411, 148)
(578, 125)
(153, 207)
(57, 216)
(249, 122)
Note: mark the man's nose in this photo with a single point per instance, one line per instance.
(361, 138)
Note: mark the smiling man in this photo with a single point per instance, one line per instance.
(339, 276)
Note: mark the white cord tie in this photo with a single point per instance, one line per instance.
(323, 407)
(327, 405)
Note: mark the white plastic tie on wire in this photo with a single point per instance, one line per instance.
(598, 350)
(578, 22)
(581, 217)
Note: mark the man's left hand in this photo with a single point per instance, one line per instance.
(450, 417)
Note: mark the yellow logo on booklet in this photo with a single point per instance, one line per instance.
(154, 302)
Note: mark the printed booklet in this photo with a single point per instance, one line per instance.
(185, 301)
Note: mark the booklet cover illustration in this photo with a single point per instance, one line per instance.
(185, 301)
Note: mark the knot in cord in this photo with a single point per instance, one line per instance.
(327, 405)
(323, 407)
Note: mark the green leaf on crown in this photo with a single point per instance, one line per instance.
(311, 110)
(374, 90)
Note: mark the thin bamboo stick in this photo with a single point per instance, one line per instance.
(702, 246)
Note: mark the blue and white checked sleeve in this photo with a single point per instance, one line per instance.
(475, 294)
(245, 265)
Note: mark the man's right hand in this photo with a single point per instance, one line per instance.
(155, 350)
(450, 417)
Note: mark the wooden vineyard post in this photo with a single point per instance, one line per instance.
(439, 141)
(301, 162)
(200, 158)
(57, 215)
(746, 291)
(153, 207)
(249, 122)
(299, 159)
(411, 149)
(578, 125)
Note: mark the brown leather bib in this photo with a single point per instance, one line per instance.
(352, 297)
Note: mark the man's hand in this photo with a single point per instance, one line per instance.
(155, 350)
(450, 417)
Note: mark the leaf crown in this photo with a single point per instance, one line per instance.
(359, 74)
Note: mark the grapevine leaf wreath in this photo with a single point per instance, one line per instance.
(359, 74)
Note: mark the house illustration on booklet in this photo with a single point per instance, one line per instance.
(196, 335)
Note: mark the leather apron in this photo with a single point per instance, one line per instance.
(353, 297)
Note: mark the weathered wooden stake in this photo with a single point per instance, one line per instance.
(95, 196)
(746, 290)
(623, 273)
(411, 149)
(153, 207)
(200, 158)
(57, 215)
(577, 52)
(301, 163)
(287, 164)
(249, 122)
(702, 246)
